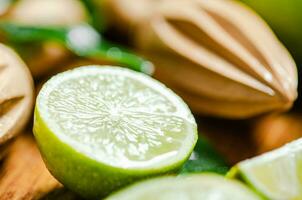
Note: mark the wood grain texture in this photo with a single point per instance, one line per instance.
(23, 174)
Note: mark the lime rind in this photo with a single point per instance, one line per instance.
(197, 186)
(235, 173)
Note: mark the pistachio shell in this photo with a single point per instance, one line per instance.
(219, 55)
(48, 12)
(16, 94)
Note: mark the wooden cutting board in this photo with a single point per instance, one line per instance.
(23, 174)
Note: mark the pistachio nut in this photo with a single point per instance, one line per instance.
(218, 54)
(16, 94)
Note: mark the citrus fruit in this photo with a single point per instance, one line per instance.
(276, 174)
(191, 187)
(99, 128)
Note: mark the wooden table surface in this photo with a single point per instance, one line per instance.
(23, 174)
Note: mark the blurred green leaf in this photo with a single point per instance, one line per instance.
(205, 159)
(83, 40)
(27, 34)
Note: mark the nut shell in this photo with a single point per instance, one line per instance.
(219, 55)
(16, 94)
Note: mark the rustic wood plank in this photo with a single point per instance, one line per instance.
(23, 174)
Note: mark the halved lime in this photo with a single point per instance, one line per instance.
(192, 187)
(99, 128)
(276, 174)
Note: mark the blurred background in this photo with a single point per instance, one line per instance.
(176, 42)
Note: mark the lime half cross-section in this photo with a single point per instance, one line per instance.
(277, 174)
(99, 128)
(191, 187)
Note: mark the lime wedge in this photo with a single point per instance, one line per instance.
(276, 174)
(192, 187)
(99, 128)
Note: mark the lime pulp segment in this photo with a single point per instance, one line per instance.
(192, 187)
(116, 125)
(276, 174)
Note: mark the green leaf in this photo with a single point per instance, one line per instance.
(24, 34)
(205, 159)
(83, 40)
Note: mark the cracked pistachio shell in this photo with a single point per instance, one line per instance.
(218, 55)
(16, 94)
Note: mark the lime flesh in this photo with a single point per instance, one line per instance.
(99, 128)
(192, 187)
(276, 174)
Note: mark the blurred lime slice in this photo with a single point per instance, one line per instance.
(276, 174)
(192, 187)
(99, 128)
